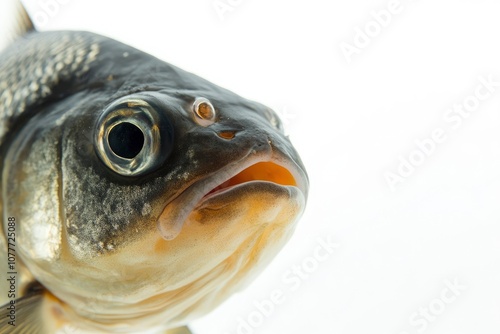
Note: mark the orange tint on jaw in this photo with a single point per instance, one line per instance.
(265, 171)
(262, 171)
(160, 246)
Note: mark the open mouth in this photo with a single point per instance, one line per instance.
(261, 171)
(279, 172)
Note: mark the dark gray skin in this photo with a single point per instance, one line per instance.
(48, 142)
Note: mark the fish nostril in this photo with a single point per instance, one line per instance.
(226, 134)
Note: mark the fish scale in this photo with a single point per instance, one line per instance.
(33, 67)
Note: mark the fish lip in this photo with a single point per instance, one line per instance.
(297, 177)
(170, 221)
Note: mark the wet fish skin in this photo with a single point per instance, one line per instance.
(79, 217)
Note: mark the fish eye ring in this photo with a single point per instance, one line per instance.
(128, 137)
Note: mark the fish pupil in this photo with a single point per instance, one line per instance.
(126, 140)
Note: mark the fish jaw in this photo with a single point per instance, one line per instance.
(249, 174)
(240, 228)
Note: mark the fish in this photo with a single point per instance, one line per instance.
(135, 196)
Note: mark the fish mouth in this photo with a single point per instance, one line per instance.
(265, 171)
(274, 170)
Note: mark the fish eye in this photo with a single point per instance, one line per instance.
(126, 140)
(132, 138)
(204, 111)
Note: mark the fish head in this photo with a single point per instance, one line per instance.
(155, 196)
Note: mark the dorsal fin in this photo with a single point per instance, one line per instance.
(14, 22)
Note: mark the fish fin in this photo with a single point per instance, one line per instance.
(14, 22)
(27, 314)
(180, 330)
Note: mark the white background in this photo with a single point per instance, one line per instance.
(351, 121)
